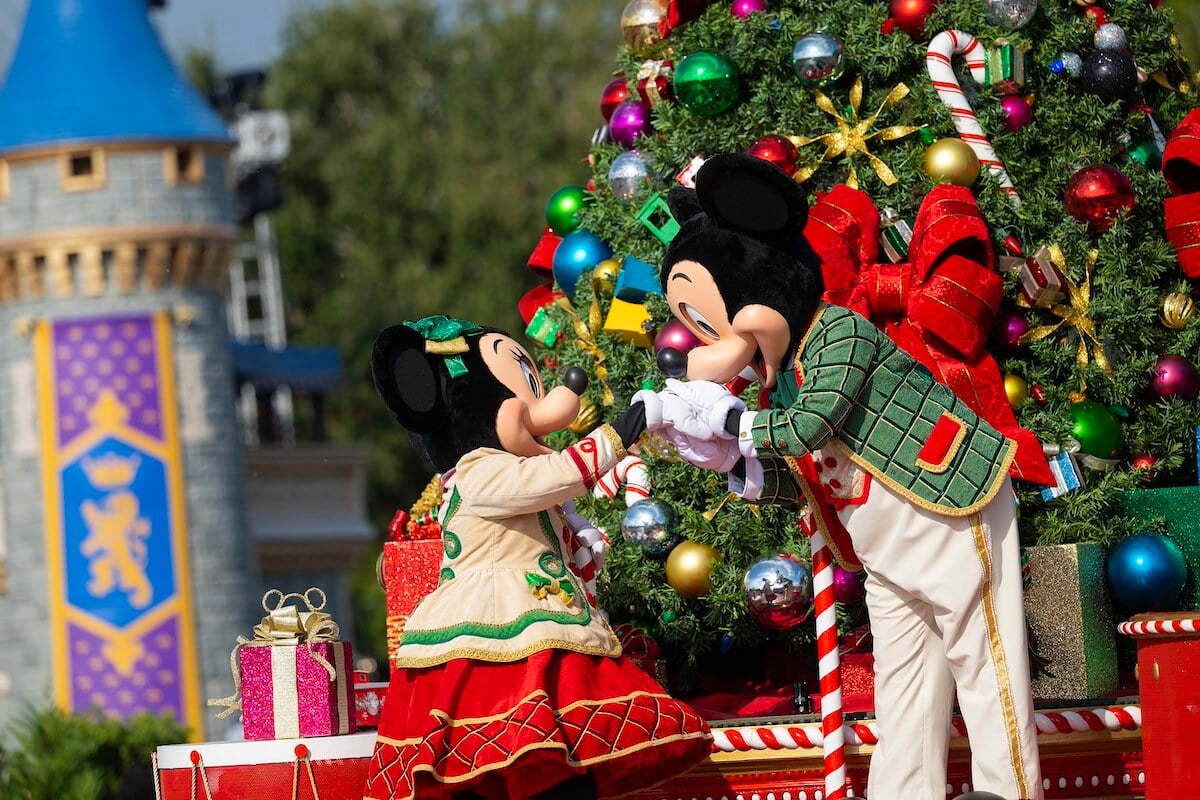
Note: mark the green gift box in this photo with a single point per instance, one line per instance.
(1070, 616)
(1180, 507)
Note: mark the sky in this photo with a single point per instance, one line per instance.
(241, 33)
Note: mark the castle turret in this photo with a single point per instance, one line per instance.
(123, 529)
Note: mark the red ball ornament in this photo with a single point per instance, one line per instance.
(848, 587)
(1144, 461)
(1175, 376)
(1097, 195)
(1038, 393)
(612, 95)
(777, 150)
(1016, 111)
(910, 15)
(676, 336)
(1097, 15)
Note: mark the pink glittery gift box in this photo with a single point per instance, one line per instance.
(286, 693)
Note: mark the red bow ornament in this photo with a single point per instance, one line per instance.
(938, 307)
(1181, 211)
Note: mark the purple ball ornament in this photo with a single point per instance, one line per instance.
(848, 587)
(1017, 112)
(744, 8)
(629, 120)
(1010, 326)
(676, 336)
(1175, 376)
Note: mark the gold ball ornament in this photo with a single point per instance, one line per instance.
(689, 568)
(1017, 390)
(952, 161)
(604, 276)
(639, 22)
(588, 417)
(1177, 307)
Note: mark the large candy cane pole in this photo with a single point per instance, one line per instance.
(942, 48)
(833, 740)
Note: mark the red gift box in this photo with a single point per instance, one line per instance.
(368, 703)
(333, 768)
(288, 691)
(1042, 283)
(654, 83)
(411, 568)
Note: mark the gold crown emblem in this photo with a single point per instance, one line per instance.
(111, 471)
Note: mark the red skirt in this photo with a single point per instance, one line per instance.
(508, 731)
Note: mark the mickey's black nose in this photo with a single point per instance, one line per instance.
(576, 380)
(672, 363)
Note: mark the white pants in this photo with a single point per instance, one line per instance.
(945, 600)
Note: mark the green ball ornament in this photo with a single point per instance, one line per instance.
(1097, 429)
(1147, 154)
(564, 208)
(669, 616)
(707, 84)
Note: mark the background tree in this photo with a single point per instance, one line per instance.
(1076, 122)
(424, 143)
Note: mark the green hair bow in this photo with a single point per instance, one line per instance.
(446, 337)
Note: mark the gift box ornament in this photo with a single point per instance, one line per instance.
(631, 323)
(1005, 66)
(1067, 475)
(654, 83)
(542, 329)
(656, 216)
(368, 703)
(1070, 616)
(1042, 282)
(1179, 507)
(895, 235)
(293, 678)
(636, 280)
(687, 176)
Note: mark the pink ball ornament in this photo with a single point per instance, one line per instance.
(1017, 112)
(744, 8)
(676, 336)
(848, 587)
(1009, 328)
(629, 120)
(1175, 376)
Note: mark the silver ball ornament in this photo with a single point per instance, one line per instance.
(779, 591)
(1110, 36)
(1009, 14)
(817, 59)
(1073, 63)
(627, 174)
(651, 525)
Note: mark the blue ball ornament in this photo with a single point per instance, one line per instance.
(1146, 572)
(578, 252)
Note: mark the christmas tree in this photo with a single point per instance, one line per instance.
(1056, 115)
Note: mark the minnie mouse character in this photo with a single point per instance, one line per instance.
(903, 478)
(508, 682)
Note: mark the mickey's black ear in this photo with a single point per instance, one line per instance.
(747, 194)
(407, 379)
(683, 204)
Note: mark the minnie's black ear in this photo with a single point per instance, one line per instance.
(683, 204)
(407, 380)
(747, 194)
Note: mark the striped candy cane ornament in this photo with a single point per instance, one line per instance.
(833, 742)
(942, 49)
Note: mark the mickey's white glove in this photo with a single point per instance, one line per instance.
(709, 403)
(669, 409)
(716, 454)
(590, 541)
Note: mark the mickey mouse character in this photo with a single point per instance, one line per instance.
(903, 478)
(508, 683)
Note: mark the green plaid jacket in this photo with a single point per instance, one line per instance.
(855, 389)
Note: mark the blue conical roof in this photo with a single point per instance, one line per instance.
(95, 71)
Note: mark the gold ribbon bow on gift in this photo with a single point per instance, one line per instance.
(284, 626)
(851, 135)
(1077, 315)
(585, 340)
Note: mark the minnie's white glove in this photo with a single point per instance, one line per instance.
(667, 409)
